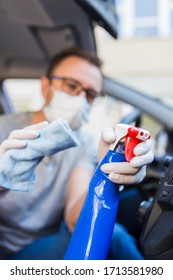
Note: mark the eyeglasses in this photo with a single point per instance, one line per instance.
(74, 87)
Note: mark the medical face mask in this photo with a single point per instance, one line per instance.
(73, 109)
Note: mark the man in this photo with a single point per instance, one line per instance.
(30, 223)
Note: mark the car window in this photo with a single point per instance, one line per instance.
(141, 57)
(25, 94)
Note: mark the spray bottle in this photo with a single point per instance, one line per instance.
(93, 231)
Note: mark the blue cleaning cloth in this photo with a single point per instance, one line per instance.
(17, 166)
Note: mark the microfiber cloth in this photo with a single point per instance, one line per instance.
(17, 166)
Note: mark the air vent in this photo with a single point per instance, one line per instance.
(170, 178)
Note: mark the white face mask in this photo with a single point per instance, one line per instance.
(73, 109)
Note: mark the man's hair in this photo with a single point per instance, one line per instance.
(91, 57)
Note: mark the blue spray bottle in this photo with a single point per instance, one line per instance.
(93, 231)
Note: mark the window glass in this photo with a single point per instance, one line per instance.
(146, 31)
(145, 8)
(141, 57)
(172, 21)
(25, 94)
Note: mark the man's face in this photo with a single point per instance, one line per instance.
(76, 76)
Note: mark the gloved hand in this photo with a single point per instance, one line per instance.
(16, 139)
(18, 166)
(125, 172)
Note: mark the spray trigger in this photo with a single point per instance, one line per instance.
(132, 136)
(121, 131)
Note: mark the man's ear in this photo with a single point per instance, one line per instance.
(45, 84)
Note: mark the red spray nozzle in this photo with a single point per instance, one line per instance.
(134, 136)
(138, 133)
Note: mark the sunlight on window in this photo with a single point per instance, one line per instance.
(25, 95)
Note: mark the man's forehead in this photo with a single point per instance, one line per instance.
(74, 61)
(81, 70)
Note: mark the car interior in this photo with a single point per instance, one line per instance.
(31, 33)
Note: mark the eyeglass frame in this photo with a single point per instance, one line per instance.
(90, 98)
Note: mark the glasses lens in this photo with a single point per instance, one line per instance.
(91, 95)
(71, 86)
(74, 87)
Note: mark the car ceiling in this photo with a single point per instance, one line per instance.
(33, 31)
